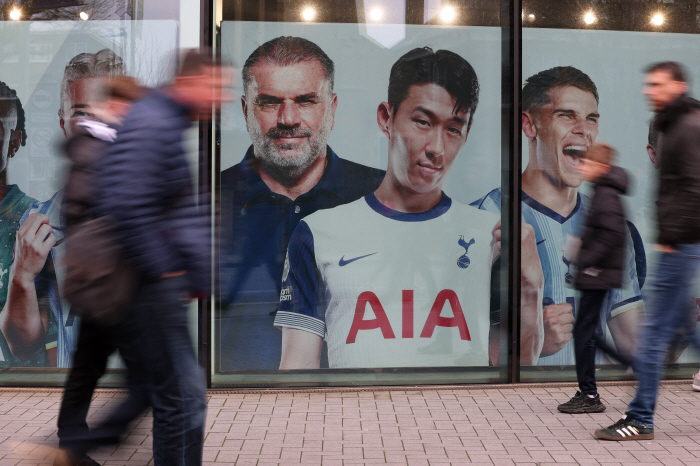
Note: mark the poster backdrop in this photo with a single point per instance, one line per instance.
(257, 224)
(33, 63)
(615, 62)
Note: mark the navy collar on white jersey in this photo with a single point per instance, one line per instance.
(442, 207)
(544, 210)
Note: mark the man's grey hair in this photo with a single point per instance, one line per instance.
(287, 51)
(85, 65)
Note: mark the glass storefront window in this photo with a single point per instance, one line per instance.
(46, 51)
(349, 251)
(359, 178)
(582, 80)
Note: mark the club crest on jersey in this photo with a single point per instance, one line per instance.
(463, 261)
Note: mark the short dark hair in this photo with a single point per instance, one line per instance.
(602, 152)
(194, 60)
(287, 51)
(675, 69)
(537, 87)
(444, 68)
(653, 136)
(10, 94)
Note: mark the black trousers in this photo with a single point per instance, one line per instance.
(95, 344)
(587, 340)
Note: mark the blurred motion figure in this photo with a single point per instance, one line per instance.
(678, 242)
(111, 102)
(145, 186)
(600, 262)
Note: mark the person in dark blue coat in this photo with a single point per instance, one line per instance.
(145, 185)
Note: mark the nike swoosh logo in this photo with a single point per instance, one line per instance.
(344, 262)
(540, 242)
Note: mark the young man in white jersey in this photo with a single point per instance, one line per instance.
(401, 277)
(560, 120)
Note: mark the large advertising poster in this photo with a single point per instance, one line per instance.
(42, 99)
(330, 154)
(593, 79)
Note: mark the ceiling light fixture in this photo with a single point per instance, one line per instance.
(376, 14)
(308, 14)
(448, 14)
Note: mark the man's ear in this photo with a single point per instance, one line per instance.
(15, 142)
(652, 156)
(62, 122)
(244, 106)
(384, 117)
(334, 105)
(529, 128)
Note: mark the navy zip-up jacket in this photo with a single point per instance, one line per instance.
(145, 184)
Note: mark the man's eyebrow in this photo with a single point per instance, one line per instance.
(310, 95)
(569, 111)
(261, 97)
(268, 97)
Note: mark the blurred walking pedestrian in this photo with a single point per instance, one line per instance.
(145, 186)
(600, 261)
(678, 243)
(111, 100)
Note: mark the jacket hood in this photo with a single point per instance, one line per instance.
(616, 178)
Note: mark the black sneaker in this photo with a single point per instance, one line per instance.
(582, 403)
(625, 429)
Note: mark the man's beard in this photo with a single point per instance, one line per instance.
(276, 159)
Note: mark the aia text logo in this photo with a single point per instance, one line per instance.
(435, 319)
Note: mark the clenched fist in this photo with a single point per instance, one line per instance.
(558, 327)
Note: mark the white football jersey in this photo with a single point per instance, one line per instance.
(551, 230)
(392, 289)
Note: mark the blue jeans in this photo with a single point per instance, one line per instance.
(667, 311)
(175, 383)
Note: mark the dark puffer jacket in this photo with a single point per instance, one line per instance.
(678, 207)
(145, 184)
(602, 255)
(83, 149)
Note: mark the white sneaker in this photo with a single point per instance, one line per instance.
(696, 382)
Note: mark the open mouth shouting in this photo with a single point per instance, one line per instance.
(574, 154)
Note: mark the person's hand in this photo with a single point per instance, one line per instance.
(32, 247)
(558, 328)
(665, 248)
(531, 277)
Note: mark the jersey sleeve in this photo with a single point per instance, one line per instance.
(629, 296)
(301, 298)
(490, 202)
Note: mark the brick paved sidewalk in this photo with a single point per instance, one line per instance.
(495, 426)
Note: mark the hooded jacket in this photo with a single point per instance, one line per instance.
(601, 257)
(678, 206)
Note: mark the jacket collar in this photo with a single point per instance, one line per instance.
(679, 107)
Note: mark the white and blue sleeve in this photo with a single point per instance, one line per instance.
(302, 303)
